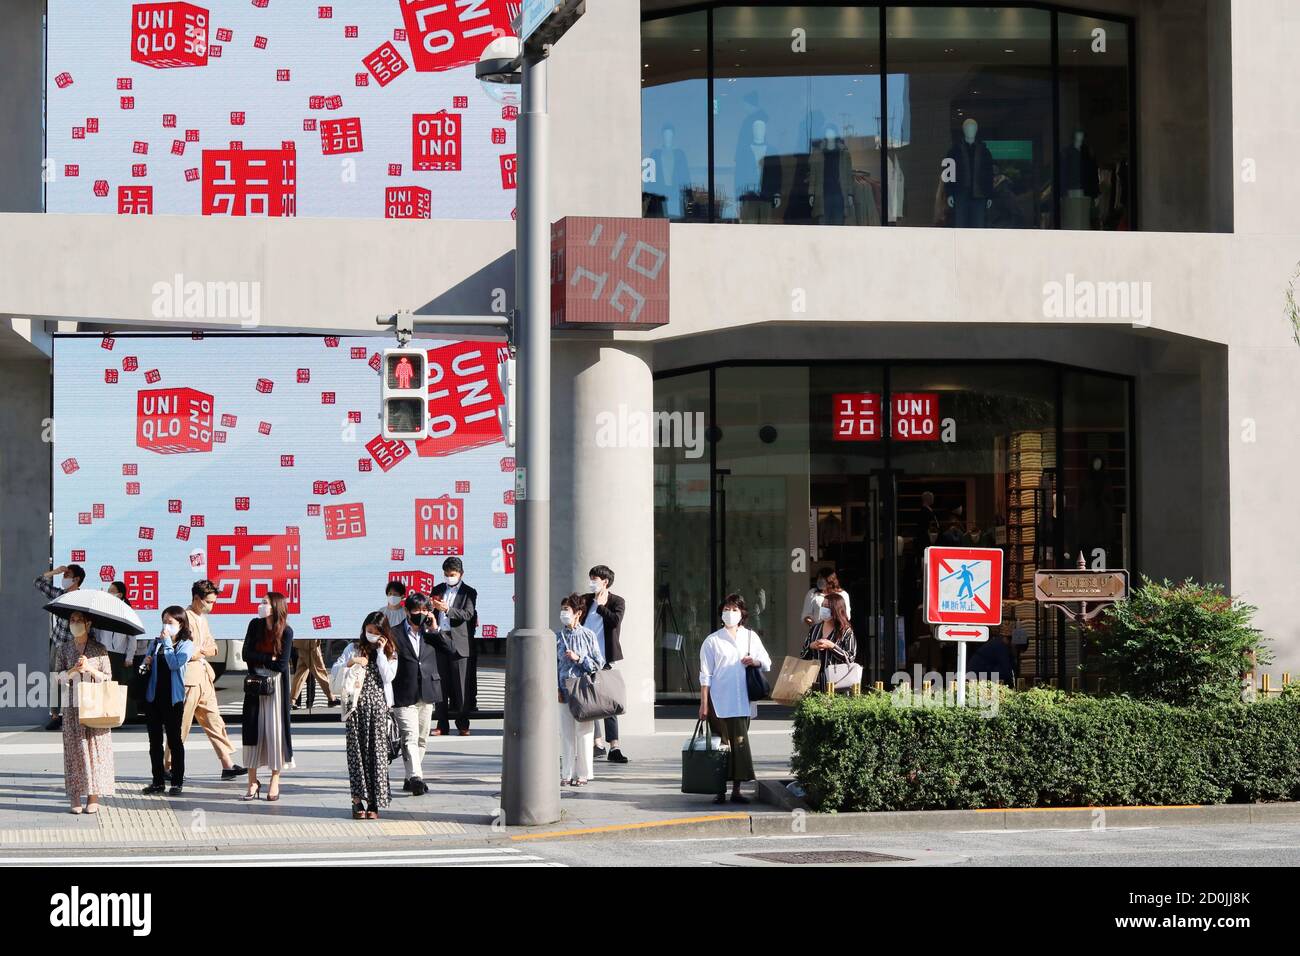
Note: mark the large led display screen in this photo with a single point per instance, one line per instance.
(360, 108)
(256, 460)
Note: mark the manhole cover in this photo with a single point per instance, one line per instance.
(826, 857)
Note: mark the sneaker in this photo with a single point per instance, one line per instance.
(176, 790)
(406, 784)
(153, 789)
(616, 756)
(56, 723)
(232, 773)
(598, 752)
(419, 787)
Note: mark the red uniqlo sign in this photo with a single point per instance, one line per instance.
(857, 416)
(509, 171)
(247, 566)
(135, 200)
(508, 555)
(435, 142)
(387, 453)
(445, 34)
(253, 182)
(609, 273)
(421, 581)
(141, 589)
(464, 393)
(915, 417)
(345, 521)
(167, 35)
(341, 136)
(385, 64)
(963, 586)
(407, 202)
(173, 420)
(439, 526)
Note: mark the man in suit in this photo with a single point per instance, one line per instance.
(201, 682)
(454, 601)
(604, 618)
(417, 688)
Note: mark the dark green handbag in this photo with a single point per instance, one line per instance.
(704, 767)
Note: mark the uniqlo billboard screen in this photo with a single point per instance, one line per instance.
(356, 108)
(256, 460)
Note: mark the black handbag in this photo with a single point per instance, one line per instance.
(756, 685)
(260, 682)
(394, 738)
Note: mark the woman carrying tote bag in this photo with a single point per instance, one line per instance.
(831, 641)
(577, 652)
(725, 659)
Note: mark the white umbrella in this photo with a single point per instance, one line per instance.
(105, 611)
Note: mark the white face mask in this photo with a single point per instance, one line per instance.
(824, 614)
(394, 600)
(171, 628)
(264, 611)
(77, 628)
(453, 580)
(372, 638)
(593, 586)
(566, 617)
(731, 617)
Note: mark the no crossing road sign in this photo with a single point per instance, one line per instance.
(963, 585)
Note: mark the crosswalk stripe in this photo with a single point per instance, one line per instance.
(490, 856)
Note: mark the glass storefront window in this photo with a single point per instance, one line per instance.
(1095, 124)
(674, 118)
(797, 115)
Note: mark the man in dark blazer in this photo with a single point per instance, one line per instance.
(604, 618)
(417, 688)
(455, 603)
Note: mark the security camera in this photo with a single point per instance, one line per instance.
(499, 70)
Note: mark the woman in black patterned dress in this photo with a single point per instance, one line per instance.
(363, 677)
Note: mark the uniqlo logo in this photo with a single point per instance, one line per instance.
(130, 470)
(408, 202)
(141, 589)
(183, 532)
(228, 421)
(169, 35)
(130, 363)
(439, 526)
(345, 521)
(146, 534)
(241, 504)
(282, 76)
(489, 631)
(445, 34)
(92, 124)
(139, 170)
(214, 50)
(173, 420)
(248, 566)
(341, 136)
(304, 375)
(291, 529)
(72, 170)
(464, 393)
(197, 521)
(509, 170)
(63, 80)
(84, 517)
(264, 428)
(914, 416)
(237, 118)
(110, 376)
(219, 437)
(144, 555)
(174, 506)
(394, 169)
(338, 487)
(327, 398)
(320, 487)
(288, 144)
(107, 342)
(97, 511)
(856, 416)
(609, 272)
(500, 519)
(385, 64)
(320, 622)
(325, 13)
(315, 102)
(255, 182)
(364, 464)
(191, 136)
(508, 555)
(510, 112)
(421, 581)
(498, 135)
(460, 102)
(331, 341)
(286, 461)
(313, 511)
(101, 188)
(153, 376)
(435, 142)
(225, 34)
(192, 175)
(387, 453)
(241, 529)
(350, 32)
(265, 385)
(354, 417)
(123, 82)
(178, 147)
(507, 464)
(357, 353)
(334, 102)
(78, 132)
(140, 148)
(261, 3)
(399, 35)
(361, 79)
(508, 498)
(462, 487)
(259, 43)
(397, 554)
(78, 556)
(375, 361)
(169, 121)
(133, 487)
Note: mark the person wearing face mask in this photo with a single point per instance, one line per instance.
(454, 604)
(367, 703)
(393, 609)
(87, 751)
(164, 698)
(578, 653)
(724, 688)
(828, 582)
(119, 645)
(830, 639)
(267, 734)
(417, 688)
(201, 680)
(603, 615)
(71, 576)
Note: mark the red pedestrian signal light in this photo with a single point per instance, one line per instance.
(405, 395)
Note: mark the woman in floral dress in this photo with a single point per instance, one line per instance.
(363, 679)
(87, 751)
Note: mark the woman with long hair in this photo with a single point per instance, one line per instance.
(87, 751)
(831, 639)
(362, 678)
(268, 742)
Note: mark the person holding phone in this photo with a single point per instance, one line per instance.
(417, 689)
(164, 698)
(373, 656)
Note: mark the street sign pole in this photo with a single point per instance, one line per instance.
(961, 673)
(530, 764)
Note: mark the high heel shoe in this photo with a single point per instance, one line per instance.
(257, 792)
(272, 797)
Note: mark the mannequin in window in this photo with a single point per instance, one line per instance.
(758, 174)
(1080, 183)
(671, 172)
(831, 170)
(970, 196)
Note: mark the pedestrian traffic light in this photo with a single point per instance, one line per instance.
(506, 413)
(405, 395)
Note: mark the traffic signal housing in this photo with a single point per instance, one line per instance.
(405, 395)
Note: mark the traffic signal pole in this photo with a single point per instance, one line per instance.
(530, 766)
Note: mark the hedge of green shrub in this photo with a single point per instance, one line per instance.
(1043, 748)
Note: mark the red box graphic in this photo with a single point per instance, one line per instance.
(101, 188)
(265, 385)
(130, 469)
(84, 517)
(609, 273)
(225, 34)
(445, 34)
(97, 511)
(264, 428)
(63, 80)
(914, 416)
(127, 102)
(135, 200)
(320, 487)
(144, 555)
(498, 135)
(489, 631)
(341, 136)
(141, 589)
(169, 121)
(439, 526)
(398, 554)
(327, 398)
(421, 581)
(197, 521)
(169, 35)
(146, 533)
(385, 64)
(387, 453)
(246, 566)
(435, 141)
(110, 375)
(856, 416)
(107, 573)
(286, 461)
(394, 169)
(183, 532)
(334, 102)
(130, 363)
(174, 506)
(92, 126)
(78, 556)
(254, 182)
(304, 375)
(460, 102)
(321, 622)
(338, 487)
(508, 555)
(364, 464)
(153, 376)
(408, 202)
(500, 519)
(173, 420)
(509, 171)
(72, 170)
(345, 521)
(313, 511)
(228, 421)
(140, 148)
(78, 132)
(139, 170)
(464, 394)
(241, 504)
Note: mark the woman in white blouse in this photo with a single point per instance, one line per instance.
(362, 678)
(725, 656)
